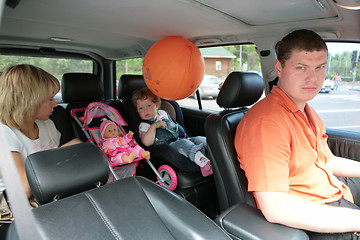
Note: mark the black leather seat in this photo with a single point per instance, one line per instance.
(197, 189)
(240, 90)
(78, 90)
(63, 124)
(128, 84)
(239, 216)
(131, 208)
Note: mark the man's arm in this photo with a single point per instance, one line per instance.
(292, 211)
(343, 167)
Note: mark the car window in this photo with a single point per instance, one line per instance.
(55, 66)
(129, 66)
(338, 101)
(219, 63)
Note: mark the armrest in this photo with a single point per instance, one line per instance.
(245, 222)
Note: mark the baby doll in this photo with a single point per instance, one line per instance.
(116, 145)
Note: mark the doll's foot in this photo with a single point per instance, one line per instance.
(129, 158)
(145, 154)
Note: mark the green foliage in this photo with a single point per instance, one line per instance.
(55, 66)
(250, 60)
(342, 64)
(129, 66)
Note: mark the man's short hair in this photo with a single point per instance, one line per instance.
(302, 40)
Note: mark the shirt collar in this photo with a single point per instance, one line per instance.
(285, 100)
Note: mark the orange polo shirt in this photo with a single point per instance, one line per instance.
(281, 152)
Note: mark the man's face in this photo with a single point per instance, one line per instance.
(302, 75)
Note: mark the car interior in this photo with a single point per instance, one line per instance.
(96, 50)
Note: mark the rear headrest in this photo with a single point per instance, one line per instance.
(81, 87)
(62, 172)
(240, 89)
(129, 83)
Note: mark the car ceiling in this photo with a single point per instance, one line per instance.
(118, 29)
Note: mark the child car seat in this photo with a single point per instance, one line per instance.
(191, 184)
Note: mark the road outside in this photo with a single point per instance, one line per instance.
(338, 109)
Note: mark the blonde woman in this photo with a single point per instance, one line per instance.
(26, 103)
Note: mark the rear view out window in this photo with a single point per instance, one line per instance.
(55, 66)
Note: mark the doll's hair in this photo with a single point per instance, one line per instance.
(143, 94)
(23, 88)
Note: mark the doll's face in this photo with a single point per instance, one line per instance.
(111, 131)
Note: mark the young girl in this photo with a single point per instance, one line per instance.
(117, 146)
(158, 128)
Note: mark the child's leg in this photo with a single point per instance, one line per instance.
(194, 151)
(186, 148)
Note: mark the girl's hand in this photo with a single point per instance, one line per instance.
(160, 124)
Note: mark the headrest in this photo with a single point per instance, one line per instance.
(81, 87)
(240, 89)
(129, 83)
(62, 172)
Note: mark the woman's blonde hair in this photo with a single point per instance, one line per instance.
(23, 88)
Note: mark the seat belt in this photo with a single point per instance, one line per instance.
(25, 222)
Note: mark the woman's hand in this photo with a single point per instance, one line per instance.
(72, 142)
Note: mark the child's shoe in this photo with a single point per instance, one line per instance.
(206, 170)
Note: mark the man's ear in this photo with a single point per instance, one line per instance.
(278, 67)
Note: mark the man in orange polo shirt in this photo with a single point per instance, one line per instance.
(282, 147)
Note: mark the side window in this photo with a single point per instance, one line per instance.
(129, 66)
(219, 63)
(338, 101)
(55, 66)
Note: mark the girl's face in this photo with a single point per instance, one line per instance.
(146, 109)
(111, 131)
(46, 109)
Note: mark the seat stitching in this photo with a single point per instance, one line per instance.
(103, 217)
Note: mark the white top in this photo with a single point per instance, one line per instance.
(161, 115)
(49, 138)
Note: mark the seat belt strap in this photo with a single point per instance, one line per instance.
(25, 222)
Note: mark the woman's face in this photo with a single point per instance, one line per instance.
(46, 109)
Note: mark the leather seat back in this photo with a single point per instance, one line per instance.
(240, 90)
(131, 208)
(78, 90)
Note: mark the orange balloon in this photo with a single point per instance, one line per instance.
(173, 68)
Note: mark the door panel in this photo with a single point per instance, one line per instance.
(344, 144)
